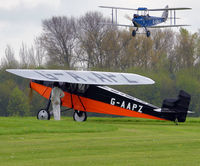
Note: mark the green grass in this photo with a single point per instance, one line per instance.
(99, 141)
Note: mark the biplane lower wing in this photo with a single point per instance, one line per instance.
(168, 26)
(105, 100)
(158, 26)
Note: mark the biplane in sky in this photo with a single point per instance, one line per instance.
(143, 20)
(87, 91)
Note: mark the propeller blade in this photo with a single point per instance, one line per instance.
(128, 17)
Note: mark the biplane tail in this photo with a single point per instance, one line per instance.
(176, 109)
(165, 14)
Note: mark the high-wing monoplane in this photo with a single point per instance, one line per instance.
(87, 91)
(143, 20)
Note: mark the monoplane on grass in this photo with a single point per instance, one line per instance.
(143, 20)
(86, 91)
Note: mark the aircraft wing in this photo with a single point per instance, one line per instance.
(159, 9)
(163, 9)
(167, 26)
(158, 26)
(113, 24)
(121, 8)
(83, 77)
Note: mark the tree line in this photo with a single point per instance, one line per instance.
(169, 57)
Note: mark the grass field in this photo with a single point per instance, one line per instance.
(99, 141)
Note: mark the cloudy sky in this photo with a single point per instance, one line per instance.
(20, 20)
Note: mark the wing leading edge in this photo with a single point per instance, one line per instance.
(145, 9)
(157, 26)
(83, 77)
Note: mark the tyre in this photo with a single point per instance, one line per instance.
(134, 33)
(79, 116)
(43, 115)
(148, 33)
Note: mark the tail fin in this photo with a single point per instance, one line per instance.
(176, 109)
(165, 14)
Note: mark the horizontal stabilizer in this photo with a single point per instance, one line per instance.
(190, 112)
(172, 18)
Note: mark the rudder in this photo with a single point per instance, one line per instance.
(176, 109)
(165, 14)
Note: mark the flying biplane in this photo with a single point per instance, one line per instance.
(143, 20)
(87, 91)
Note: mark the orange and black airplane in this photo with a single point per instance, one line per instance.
(87, 91)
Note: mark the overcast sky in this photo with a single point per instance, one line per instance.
(20, 20)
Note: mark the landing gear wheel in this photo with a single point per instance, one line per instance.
(43, 115)
(79, 116)
(134, 33)
(148, 33)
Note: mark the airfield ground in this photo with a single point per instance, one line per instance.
(99, 141)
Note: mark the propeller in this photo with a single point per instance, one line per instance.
(128, 17)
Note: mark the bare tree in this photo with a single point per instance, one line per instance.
(92, 35)
(27, 56)
(185, 49)
(9, 60)
(23, 54)
(58, 38)
(163, 49)
(40, 53)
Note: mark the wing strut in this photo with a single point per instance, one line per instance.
(48, 104)
(116, 15)
(71, 99)
(112, 15)
(174, 17)
(75, 91)
(170, 16)
(81, 103)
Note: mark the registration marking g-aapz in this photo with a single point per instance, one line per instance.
(127, 105)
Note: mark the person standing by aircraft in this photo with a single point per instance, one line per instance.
(56, 95)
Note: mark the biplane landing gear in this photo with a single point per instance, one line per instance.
(148, 33)
(134, 33)
(43, 115)
(79, 116)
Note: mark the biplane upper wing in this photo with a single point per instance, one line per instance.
(83, 77)
(177, 8)
(121, 8)
(143, 8)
